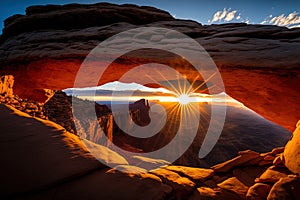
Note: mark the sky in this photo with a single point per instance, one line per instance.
(124, 92)
(277, 12)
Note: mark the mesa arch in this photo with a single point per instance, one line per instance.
(271, 94)
(259, 64)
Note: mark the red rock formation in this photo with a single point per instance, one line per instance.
(6, 86)
(292, 152)
(272, 94)
(44, 49)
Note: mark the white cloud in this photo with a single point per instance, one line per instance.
(290, 20)
(219, 15)
(230, 16)
(225, 15)
(264, 22)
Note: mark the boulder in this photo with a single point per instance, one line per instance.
(206, 193)
(259, 191)
(244, 157)
(286, 188)
(193, 173)
(273, 174)
(292, 152)
(277, 150)
(182, 186)
(279, 161)
(236, 186)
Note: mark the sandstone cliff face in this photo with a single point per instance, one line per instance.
(259, 65)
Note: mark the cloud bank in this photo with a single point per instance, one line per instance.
(225, 15)
(291, 20)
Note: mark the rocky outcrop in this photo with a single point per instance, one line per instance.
(6, 85)
(59, 110)
(44, 49)
(286, 188)
(76, 16)
(292, 152)
(63, 168)
(241, 159)
(7, 97)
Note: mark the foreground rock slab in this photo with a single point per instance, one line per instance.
(244, 157)
(196, 174)
(41, 160)
(234, 185)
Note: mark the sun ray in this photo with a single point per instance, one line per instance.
(170, 84)
(207, 88)
(204, 82)
(191, 86)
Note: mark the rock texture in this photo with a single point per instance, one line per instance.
(7, 97)
(6, 86)
(44, 49)
(292, 152)
(62, 168)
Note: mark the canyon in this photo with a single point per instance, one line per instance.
(65, 169)
(41, 53)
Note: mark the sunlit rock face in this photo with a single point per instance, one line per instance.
(292, 152)
(6, 86)
(45, 48)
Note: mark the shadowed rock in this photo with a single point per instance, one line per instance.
(258, 191)
(285, 189)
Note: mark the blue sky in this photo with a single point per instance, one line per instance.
(279, 12)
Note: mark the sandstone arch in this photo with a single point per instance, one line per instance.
(259, 64)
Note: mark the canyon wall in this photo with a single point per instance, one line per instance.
(259, 64)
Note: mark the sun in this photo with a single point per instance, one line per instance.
(184, 99)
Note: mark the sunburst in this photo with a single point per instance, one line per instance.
(184, 99)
